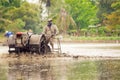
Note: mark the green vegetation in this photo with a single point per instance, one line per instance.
(74, 17)
(18, 15)
(83, 12)
(94, 38)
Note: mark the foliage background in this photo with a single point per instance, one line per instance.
(74, 17)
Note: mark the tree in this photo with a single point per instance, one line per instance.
(16, 25)
(83, 12)
(18, 14)
(113, 20)
(104, 8)
(9, 3)
(64, 21)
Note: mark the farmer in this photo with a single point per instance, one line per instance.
(8, 34)
(50, 31)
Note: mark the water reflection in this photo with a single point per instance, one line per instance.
(109, 70)
(61, 70)
(29, 71)
(95, 70)
(3, 72)
(43, 70)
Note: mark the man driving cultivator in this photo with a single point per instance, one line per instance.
(33, 43)
(50, 31)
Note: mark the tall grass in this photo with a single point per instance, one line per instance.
(94, 38)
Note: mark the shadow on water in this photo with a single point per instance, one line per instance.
(61, 69)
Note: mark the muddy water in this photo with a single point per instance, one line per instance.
(92, 49)
(60, 69)
(45, 69)
(85, 49)
(64, 67)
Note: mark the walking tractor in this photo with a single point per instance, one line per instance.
(23, 42)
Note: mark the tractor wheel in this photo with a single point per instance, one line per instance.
(42, 48)
(17, 50)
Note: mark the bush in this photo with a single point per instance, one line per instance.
(101, 31)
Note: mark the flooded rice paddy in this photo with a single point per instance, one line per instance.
(60, 69)
(77, 62)
(92, 49)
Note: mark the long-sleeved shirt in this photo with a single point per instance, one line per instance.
(53, 30)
